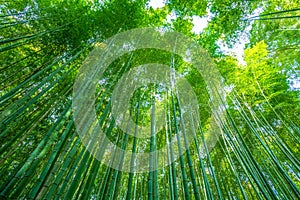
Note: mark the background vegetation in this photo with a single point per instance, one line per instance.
(42, 47)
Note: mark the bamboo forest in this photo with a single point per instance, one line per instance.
(150, 99)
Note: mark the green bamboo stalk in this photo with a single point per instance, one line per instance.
(31, 101)
(32, 159)
(70, 172)
(23, 76)
(65, 165)
(170, 173)
(190, 163)
(183, 171)
(34, 122)
(288, 179)
(173, 168)
(12, 92)
(131, 174)
(249, 161)
(202, 167)
(152, 149)
(95, 168)
(2, 68)
(53, 158)
(38, 35)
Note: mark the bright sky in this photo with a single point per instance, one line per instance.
(238, 48)
(199, 24)
(156, 3)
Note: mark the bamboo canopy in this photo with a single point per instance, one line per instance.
(113, 100)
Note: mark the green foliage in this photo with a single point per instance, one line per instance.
(256, 156)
